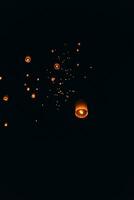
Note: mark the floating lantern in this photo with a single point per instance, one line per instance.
(5, 124)
(28, 59)
(57, 66)
(28, 89)
(81, 109)
(5, 98)
(53, 79)
(33, 96)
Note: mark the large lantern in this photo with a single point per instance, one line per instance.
(81, 109)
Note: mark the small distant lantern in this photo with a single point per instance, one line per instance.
(53, 79)
(57, 66)
(5, 98)
(28, 59)
(28, 89)
(81, 110)
(1, 78)
(5, 124)
(33, 96)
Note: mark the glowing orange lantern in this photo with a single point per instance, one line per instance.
(81, 109)
(5, 98)
(57, 66)
(28, 59)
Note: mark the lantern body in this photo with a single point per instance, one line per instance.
(28, 59)
(81, 110)
(57, 66)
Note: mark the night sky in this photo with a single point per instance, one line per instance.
(51, 57)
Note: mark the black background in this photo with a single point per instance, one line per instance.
(66, 157)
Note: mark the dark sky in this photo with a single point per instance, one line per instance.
(63, 154)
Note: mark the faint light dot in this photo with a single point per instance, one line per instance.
(37, 89)
(33, 96)
(42, 105)
(53, 79)
(91, 67)
(28, 89)
(85, 77)
(25, 84)
(28, 59)
(36, 120)
(78, 43)
(5, 124)
(77, 50)
(67, 96)
(1, 78)
(38, 79)
(77, 64)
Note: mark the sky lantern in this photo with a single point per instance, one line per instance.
(28, 59)
(81, 109)
(5, 124)
(33, 96)
(57, 66)
(5, 98)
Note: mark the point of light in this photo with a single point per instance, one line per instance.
(5, 124)
(33, 96)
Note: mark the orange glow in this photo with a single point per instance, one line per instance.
(5, 98)
(81, 109)
(57, 66)
(33, 96)
(28, 59)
